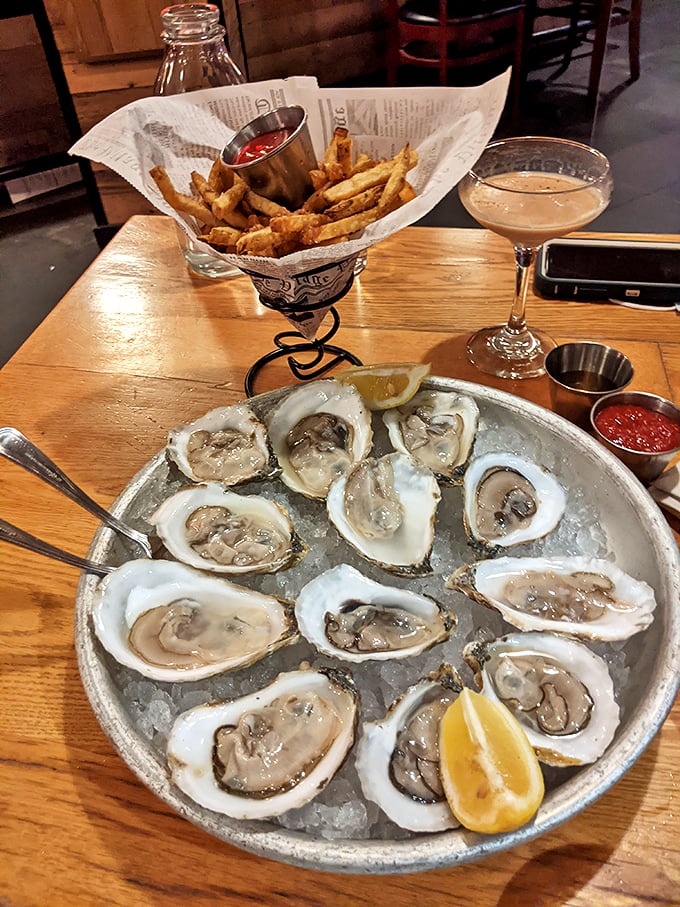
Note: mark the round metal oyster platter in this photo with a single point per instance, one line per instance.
(609, 515)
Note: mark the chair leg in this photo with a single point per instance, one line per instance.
(392, 13)
(599, 47)
(634, 39)
(518, 73)
(442, 44)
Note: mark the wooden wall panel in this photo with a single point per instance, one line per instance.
(334, 40)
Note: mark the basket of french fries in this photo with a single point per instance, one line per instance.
(348, 194)
(385, 157)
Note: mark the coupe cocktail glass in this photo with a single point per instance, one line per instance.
(530, 189)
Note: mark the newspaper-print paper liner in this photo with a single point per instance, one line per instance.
(449, 127)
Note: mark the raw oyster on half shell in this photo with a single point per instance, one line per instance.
(173, 623)
(436, 428)
(508, 500)
(209, 527)
(228, 444)
(346, 615)
(559, 691)
(587, 597)
(397, 758)
(318, 432)
(385, 508)
(267, 752)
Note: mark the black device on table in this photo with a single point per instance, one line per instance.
(629, 271)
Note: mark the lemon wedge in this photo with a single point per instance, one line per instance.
(491, 776)
(387, 385)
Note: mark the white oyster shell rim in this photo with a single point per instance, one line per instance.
(483, 580)
(407, 550)
(445, 403)
(590, 669)
(647, 543)
(141, 585)
(325, 395)
(372, 757)
(170, 518)
(234, 416)
(325, 594)
(191, 739)
(551, 499)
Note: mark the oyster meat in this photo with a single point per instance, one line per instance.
(228, 444)
(586, 597)
(437, 429)
(209, 527)
(385, 508)
(397, 758)
(173, 623)
(559, 691)
(348, 616)
(267, 752)
(318, 432)
(508, 500)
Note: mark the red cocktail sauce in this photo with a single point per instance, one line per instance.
(637, 428)
(261, 145)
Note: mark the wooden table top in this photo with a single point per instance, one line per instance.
(138, 345)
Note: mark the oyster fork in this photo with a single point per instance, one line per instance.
(15, 447)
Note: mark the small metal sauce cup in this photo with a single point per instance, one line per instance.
(646, 466)
(580, 374)
(282, 175)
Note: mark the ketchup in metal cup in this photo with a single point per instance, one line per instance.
(261, 145)
(637, 428)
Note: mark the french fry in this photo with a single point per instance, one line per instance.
(180, 202)
(264, 205)
(296, 223)
(366, 179)
(334, 172)
(344, 145)
(222, 236)
(226, 202)
(331, 153)
(263, 242)
(346, 226)
(220, 177)
(355, 204)
(407, 194)
(318, 178)
(203, 187)
(396, 180)
(363, 162)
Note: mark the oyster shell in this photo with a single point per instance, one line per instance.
(385, 508)
(585, 597)
(318, 432)
(397, 758)
(173, 623)
(559, 691)
(209, 527)
(228, 444)
(508, 500)
(348, 616)
(268, 752)
(437, 429)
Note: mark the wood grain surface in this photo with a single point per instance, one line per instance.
(138, 345)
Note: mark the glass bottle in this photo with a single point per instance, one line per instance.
(196, 57)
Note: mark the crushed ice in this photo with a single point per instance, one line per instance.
(340, 811)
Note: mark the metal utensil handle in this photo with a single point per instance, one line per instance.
(17, 448)
(14, 536)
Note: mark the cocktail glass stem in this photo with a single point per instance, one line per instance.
(523, 261)
(512, 350)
